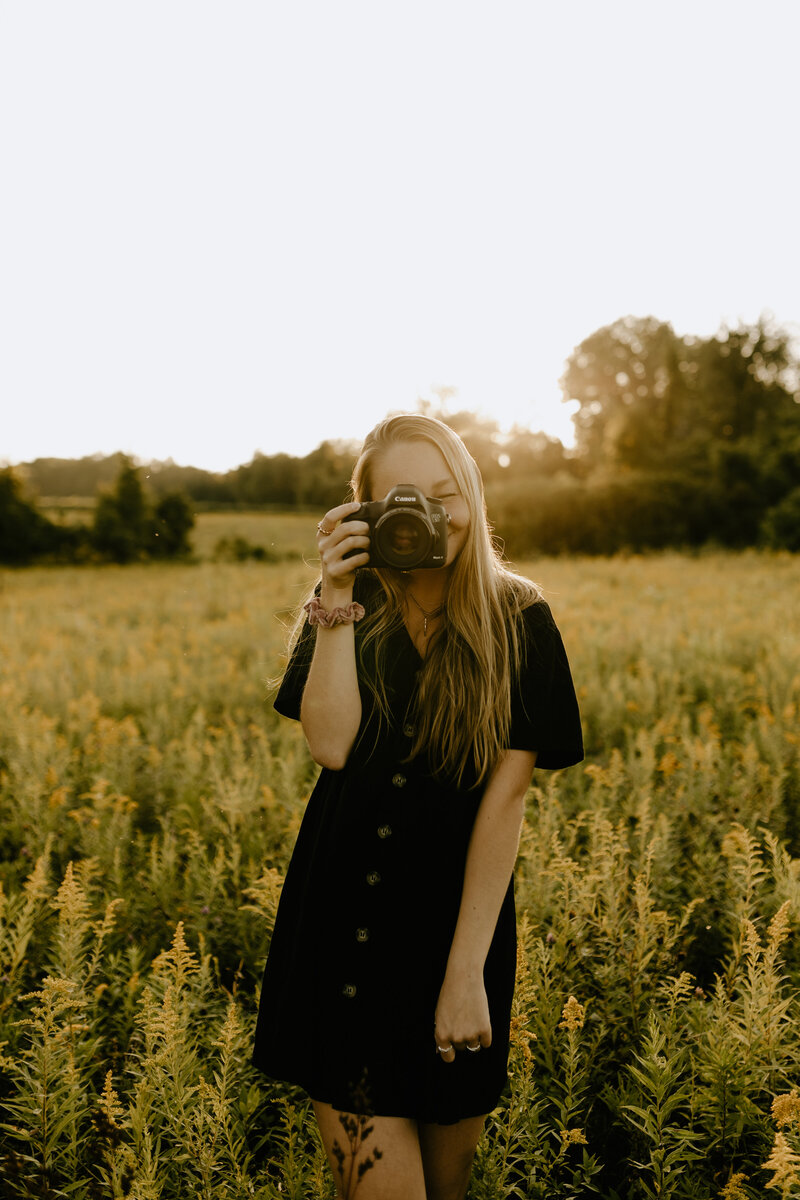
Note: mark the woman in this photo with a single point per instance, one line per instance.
(427, 697)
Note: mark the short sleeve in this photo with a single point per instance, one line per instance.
(290, 692)
(544, 708)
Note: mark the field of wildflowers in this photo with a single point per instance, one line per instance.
(150, 797)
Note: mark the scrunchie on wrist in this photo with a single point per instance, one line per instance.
(317, 615)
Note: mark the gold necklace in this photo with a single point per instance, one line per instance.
(426, 613)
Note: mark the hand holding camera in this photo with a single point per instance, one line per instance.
(337, 541)
(407, 530)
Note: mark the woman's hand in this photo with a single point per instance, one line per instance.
(462, 1016)
(334, 540)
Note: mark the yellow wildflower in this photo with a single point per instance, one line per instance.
(109, 1101)
(573, 1137)
(778, 929)
(669, 764)
(750, 938)
(573, 1014)
(733, 1188)
(786, 1108)
(784, 1161)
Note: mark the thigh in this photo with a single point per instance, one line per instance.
(373, 1158)
(447, 1154)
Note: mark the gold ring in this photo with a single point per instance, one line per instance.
(324, 531)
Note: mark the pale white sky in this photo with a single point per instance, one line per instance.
(252, 225)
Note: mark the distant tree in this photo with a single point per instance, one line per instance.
(127, 528)
(629, 383)
(648, 398)
(120, 525)
(324, 474)
(71, 476)
(25, 533)
(781, 525)
(173, 522)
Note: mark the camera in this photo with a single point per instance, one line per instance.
(407, 530)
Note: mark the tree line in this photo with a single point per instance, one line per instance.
(680, 441)
(127, 525)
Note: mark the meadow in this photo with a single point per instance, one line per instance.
(150, 798)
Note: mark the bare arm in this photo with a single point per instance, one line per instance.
(330, 710)
(462, 1013)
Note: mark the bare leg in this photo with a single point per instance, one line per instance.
(447, 1154)
(389, 1144)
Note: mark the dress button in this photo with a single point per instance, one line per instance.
(349, 990)
(362, 935)
(399, 780)
(408, 730)
(384, 831)
(373, 878)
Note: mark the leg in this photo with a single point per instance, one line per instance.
(389, 1145)
(447, 1154)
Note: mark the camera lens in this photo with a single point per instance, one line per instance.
(403, 539)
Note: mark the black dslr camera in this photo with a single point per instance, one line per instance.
(407, 530)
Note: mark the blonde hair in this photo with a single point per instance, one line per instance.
(462, 714)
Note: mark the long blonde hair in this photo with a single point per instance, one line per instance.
(462, 714)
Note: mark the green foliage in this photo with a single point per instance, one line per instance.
(781, 524)
(173, 521)
(25, 533)
(239, 549)
(126, 526)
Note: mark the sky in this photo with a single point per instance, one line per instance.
(240, 226)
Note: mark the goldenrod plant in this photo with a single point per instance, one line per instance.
(150, 799)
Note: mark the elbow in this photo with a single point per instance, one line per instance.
(330, 757)
(332, 753)
(329, 741)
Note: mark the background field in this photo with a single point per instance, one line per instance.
(281, 534)
(151, 797)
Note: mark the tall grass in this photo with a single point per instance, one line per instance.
(150, 799)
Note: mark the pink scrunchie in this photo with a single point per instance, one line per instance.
(317, 615)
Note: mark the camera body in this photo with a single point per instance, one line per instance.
(407, 530)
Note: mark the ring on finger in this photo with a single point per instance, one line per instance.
(473, 1048)
(323, 530)
(444, 1049)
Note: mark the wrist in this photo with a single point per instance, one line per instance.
(335, 597)
(464, 969)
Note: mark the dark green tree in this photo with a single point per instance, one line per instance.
(25, 533)
(127, 528)
(173, 521)
(121, 520)
(781, 525)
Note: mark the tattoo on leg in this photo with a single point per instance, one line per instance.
(357, 1128)
(357, 1131)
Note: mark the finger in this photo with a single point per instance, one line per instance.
(486, 1038)
(335, 561)
(448, 1055)
(347, 529)
(334, 549)
(334, 515)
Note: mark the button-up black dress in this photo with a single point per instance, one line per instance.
(371, 898)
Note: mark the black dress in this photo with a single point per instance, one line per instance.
(371, 897)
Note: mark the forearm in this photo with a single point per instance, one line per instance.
(330, 710)
(490, 862)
